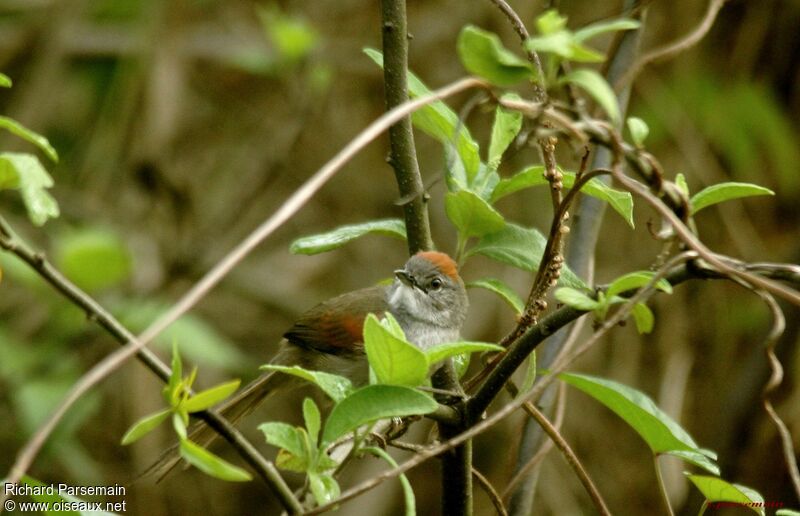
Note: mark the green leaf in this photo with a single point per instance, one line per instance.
(501, 289)
(394, 360)
(143, 426)
(324, 487)
(312, 419)
(550, 22)
(210, 397)
(5, 81)
(471, 215)
(635, 280)
(293, 38)
(335, 386)
(595, 29)
(621, 202)
(408, 492)
(180, 419)
(374, 402)
(521, 248)
(506, 126)
(450, 349)
(94, 259)
(787, 512)
(643, 317)
(342, 235)
(25, 172)
(439, 122)
(680, 181)
(286, 437)
(717, 490)
(563, 44)
(661, 433)
(595, 85)
(718, 193)
(576, 299)
(212, 465)
(26, 134)
(638, 129)
(483, 54)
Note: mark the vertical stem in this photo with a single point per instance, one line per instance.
(662, 488)
(403, 156)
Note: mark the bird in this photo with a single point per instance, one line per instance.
(427, 298)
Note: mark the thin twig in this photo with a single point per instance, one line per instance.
(115, 360)
(570, 456)
(490, 491)
(676, 47)
(662, 487)
(787, 446)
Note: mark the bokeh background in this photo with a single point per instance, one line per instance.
(182, 124)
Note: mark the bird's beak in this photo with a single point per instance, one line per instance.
(404, 277)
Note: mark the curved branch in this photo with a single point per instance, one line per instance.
(676, 47)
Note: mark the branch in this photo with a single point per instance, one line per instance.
(401, 137)
(778, 326)
(491, 492)
(570, 456)
(676, 47)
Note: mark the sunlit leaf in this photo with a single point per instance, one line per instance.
(394, 360)
(5, 81)
(643, 317)
(564, 44)
(212, 465)
(143, 426)
(374, 402)
(335, 386)
(717, 490)
(340, 236)
(210, 397)
(25, 172)
(26, 134)
(286, 437)
(483, 54)
(312, 419)
(507, 124)
(595, 85)
(324, 487)
(550, 21)
(634, 280)
(721, 192)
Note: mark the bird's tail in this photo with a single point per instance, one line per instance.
(234, 409)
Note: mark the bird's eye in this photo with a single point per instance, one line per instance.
(436, 284)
